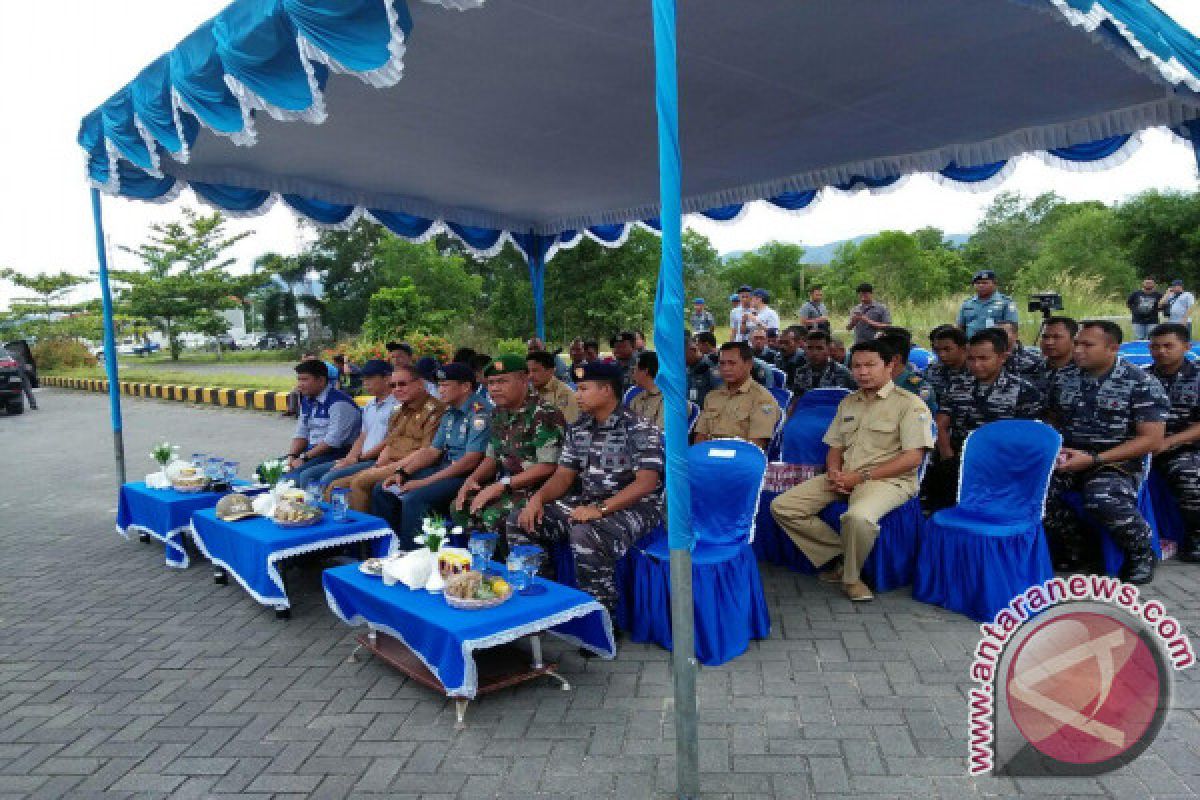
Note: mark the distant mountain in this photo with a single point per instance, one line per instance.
(823, 253)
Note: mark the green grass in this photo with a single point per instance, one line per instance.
(227, 357)
(153, 374)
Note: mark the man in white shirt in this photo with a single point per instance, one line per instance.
(1177, 305)
(376, 415)
(768, 318)
(743, 318)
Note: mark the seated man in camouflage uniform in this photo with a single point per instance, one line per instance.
(741, 408)
(648, 403)
(820, 370)
(527, 436)
(949, 344)
(1111, 414)
(1178, 460)
(1025, 361)
(899, 343)
(615, 459)
(1058, 349)
(988, 394)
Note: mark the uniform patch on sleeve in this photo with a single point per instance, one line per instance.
(479, 424)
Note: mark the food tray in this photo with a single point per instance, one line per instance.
(471, 604)
(301, 523)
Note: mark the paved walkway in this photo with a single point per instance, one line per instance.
(121, 678)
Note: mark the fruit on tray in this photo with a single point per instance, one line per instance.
(293, 512)
(473, 585)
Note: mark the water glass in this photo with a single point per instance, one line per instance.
(231, 468)
(340, 501)
(215, 469)
(518, 578)
(531, 561)
(312, 495)
(199, 460)
(482, 546)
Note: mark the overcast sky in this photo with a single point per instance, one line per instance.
(63, 58)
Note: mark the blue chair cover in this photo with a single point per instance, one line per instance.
(784, 398)
(1167, 518)
(890, 563)
(778, 379)
(630, 393)
(975, 557)
(730, 607)
(1114, 556)
(920, 358)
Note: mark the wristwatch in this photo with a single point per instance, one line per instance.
(866, 474)
(602, 507)
(506, 481)
(403, 473)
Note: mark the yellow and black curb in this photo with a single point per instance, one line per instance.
(255, 399)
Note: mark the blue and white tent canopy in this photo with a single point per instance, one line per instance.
(532, 121)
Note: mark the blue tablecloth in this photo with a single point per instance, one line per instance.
(164, 514)
(251, 549)
(445, 638)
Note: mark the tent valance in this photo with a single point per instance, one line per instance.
(549, 92)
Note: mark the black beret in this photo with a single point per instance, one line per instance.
(599, 371)
(456, 372)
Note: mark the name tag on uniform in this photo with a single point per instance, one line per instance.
(722, 453)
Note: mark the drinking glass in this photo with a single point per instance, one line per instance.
(214, 470)
(531, 560)
(231, 468)
(199, 460)
(340, 500)
(312, 495)
(482, 546)
(517, 577)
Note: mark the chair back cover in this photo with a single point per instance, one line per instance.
(778, 378)
(782, 396)
(630, 393)
(1006, 469)
(805, 428)
(726, 477)
(920, 358)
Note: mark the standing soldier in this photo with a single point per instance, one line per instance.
(701, 319)
(615, 459)
(741, 408)
(1111, 415)
(988, 393)
(1178, 460)
(876, 444)
(549, 389)
(527, 437)
(987, 308)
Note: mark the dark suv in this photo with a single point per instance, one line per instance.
(11, 395)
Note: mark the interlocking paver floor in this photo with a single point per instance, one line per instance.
(122, 678)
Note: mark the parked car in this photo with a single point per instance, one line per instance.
(268, 343)
(226, 342)
(11, 395)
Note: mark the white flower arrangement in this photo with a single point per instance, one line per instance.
(434, 533)
(271, 470)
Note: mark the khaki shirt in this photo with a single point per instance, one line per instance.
(748, 412)
(560, 396)
(875, 430)
(649, 406)
(412, 427)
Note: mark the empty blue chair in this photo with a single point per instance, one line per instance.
(730, 607)
(920, 358)
(802, 445)
(975, 557)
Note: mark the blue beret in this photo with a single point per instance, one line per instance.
(376, 367)
(698, 301)
(455, 371)
(599, 371)
(427, 367)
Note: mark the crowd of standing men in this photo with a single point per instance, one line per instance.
(567, 451)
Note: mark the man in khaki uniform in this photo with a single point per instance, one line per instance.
(741, 408)
(648, 403)
(411, 428)
(550, 390)
(876, 444)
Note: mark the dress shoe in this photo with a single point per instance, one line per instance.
(858, 591)
(1138, 569)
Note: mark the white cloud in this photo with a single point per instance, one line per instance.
(63, 58)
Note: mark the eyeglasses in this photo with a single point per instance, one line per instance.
(399, 384)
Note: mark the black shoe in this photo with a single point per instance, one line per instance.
(1138, 569)
(1190, 551)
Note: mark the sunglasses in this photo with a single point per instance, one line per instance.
(399, 384)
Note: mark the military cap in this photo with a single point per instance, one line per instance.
(427, 367)
(984, 275)
(599, 371)
(376, 366)
(504, 365)
(456, 372)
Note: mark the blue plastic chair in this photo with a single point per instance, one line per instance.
(630, 393)
(975, 557)
(920, 358)
(801, 444)
(783, 397)
(730, 606)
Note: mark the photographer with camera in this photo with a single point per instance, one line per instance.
(987, 308)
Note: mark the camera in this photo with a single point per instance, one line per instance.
(1045, 302)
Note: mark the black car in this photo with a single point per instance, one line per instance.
(11, 395)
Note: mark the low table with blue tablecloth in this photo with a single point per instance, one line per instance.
(416, 632)
(163, 514)
(251, 549)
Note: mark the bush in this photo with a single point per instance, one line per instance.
(360, 350)
(52, 354)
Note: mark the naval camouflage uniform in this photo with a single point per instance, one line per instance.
(1046, 377)
(1094, 415)
(969, 405)
(1181, 465)
(1025, 361)
(832, 376)
(606, 457)
(521, 439)
(947, 382)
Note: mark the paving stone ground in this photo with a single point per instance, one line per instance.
(122, 678)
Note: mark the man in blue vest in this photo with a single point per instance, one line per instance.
(328, 425)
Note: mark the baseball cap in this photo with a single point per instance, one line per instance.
(763, 293)
(235, 506)
(699, 301)
(376, 367)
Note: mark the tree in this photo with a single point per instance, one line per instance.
(1083, 244)
(186, 281)
(777, 267)
(1161, 233)
(1007, 238)
(391, 312)
(49, 287)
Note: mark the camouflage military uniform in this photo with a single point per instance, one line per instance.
(1096, 415)
(947, 381)
(520, 439)
(1025, 361)
(913, 382)
(1181, 465)
(1044, 378)
(702, 379)
(969, 405)
(790, 364)
(606, 456)
(832, 376)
